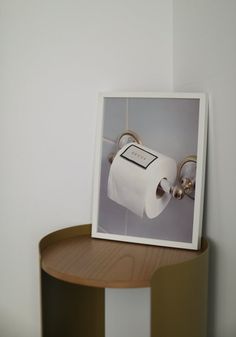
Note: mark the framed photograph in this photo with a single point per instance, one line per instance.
(150, 168)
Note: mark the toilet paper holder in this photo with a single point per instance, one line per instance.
(186, 172)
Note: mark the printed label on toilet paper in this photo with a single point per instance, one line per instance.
(138, 156)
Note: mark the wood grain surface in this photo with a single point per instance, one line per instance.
(83, 260)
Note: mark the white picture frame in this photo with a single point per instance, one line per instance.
(118, 225)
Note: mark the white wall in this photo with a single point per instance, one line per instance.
(127, 312)
(56, 55)
(205, 60)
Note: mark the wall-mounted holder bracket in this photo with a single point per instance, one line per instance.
(124, 139)
(186, 175)
(186, 172)
(185, 180)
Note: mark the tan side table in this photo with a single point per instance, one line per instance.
(75, 270)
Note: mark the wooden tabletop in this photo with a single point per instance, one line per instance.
(71, 255)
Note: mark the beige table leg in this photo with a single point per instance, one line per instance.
(70, 310)
(179, 299)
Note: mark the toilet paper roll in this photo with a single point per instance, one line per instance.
(134, 176)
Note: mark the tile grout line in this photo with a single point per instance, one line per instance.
(127, 115)
(103, 229)
(108, 140)
(126, 222)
